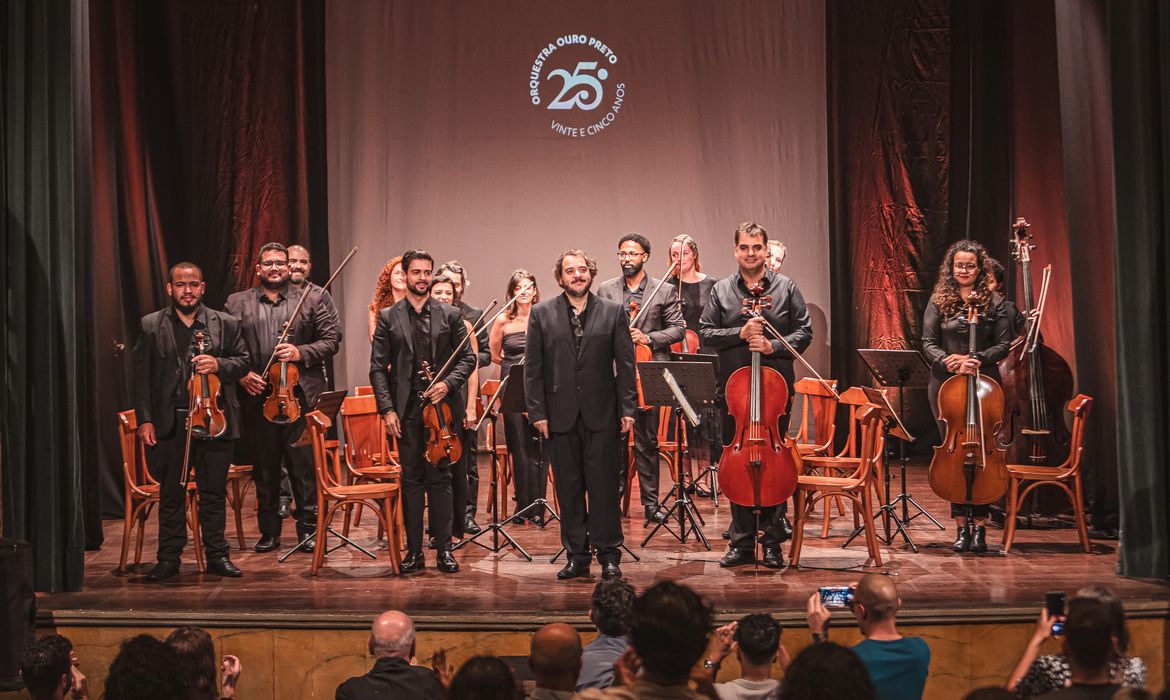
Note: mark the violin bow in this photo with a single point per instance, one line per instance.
(1032, 337)
(775, 333)
(638, 316)
(185, 476)
(297, 309)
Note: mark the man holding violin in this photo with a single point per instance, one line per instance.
(724, 328)
(411, 336)
(165, 359)
(659, 324)
(314, 336)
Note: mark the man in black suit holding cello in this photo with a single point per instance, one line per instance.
(580, 394)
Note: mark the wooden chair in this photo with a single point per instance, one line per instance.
(1032, 477)
(844, 461)
(857, 486)
(502, 459)
(239, 478)
(363, 390)
(382, 497)
(141, 494)
(366, 450)
(818, 424)
(666, 447)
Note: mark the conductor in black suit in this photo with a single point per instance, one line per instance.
(580, 394)
(415, 330)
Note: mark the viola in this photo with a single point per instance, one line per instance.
(759, 467)
(969, 467)
(282, 406)
(205, 417)
(1037, 382)
(442, 444)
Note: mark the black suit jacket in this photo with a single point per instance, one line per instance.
(662, 321)
(597, 383)
(392, 679)
(392, 355)
(316, 332)
(158, 367)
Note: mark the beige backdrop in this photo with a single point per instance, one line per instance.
(434, 141)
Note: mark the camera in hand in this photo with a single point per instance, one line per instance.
(1054, 602)
(836, 596)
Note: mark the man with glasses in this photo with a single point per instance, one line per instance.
(315, 336)
(660, 324)
(580, 394)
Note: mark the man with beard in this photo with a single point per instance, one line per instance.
(165, 356)
(724, 328)
(660, 325)
(315, 336)
(580, 394)
(417, 330)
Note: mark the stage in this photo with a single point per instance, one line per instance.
(962, 604)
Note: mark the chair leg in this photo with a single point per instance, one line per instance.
(871, 541)
(238, 513)
(196, 536)
(801, 511)
(1009, 520)
(1079, 511)
(826, 514)
(324, 517)
(127, 530)
(395, 552)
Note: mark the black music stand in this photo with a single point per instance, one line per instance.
(680, 386)
(900, 369)
(711, 471)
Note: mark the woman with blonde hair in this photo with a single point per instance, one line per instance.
(390, 289)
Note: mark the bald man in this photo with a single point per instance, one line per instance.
(392, 646)
(897, 665)
(555, 659)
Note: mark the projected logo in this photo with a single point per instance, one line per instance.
(573, 81)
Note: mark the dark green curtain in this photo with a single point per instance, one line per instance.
(1139, 32)
(41, 239)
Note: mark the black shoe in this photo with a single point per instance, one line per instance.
(223, 566)
(785, 529)
(413, 562)
(574, 569)
(309, 546)
(727, 534)
(702, 492)
(163, 570)
(735, 557)
(268, 543)
(773, 558)
(470, 526)
(962, 540)
(610, 570)
(447, 563)
(655, 514)
(284, 510)
(978, 539)
(431, 542)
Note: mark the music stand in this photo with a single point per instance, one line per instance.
(711, 471)
(900, 369)
(681, 386)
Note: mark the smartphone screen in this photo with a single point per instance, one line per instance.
(835, 596)
(1054, 602)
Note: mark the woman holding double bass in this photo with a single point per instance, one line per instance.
(962, 291)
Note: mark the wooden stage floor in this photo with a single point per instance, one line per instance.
(497, 588)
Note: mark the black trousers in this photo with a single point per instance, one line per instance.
(211, 459)
(272, 445)
(422, 479)
(743, 519)
(586, 466)
(471, 454)
(646, 454)
(528, 470)
(460, 488)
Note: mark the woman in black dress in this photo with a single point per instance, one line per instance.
(964, 278)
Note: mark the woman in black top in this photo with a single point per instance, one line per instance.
(963, 279)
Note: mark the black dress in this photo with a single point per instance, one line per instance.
(943, 336)
(704, 442)
(530, 473)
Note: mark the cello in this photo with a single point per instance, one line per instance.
(968, 467)
(1037, 382)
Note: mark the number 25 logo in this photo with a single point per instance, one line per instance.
(579, 87)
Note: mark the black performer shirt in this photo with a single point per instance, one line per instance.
(577, 323)
(421, 330)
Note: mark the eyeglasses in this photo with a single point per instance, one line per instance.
(624, 255)
(270, 264)
(578, 331)
(966, 266)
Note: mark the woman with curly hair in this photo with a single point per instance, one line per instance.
(964, 280)
(390, 289)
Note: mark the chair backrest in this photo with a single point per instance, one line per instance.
(134, 471)
(854, 397)
(364, 434)
(318, 424)
(1079, 406)
(363, 391)
(870, 441)
(818, 412)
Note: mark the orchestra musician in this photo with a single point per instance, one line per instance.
(1017, 321)
(965, 277)
(415, 330)
(581, 396)
(388, 290)
(777, 251)
(314, 337)
(659, 325)
(164, 360)
(723, 328)
(506, 342)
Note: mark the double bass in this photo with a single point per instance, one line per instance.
(968, 467)
(1037, 382)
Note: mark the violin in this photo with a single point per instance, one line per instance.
(282, 405)
(642, 353)
(1036, 379)
(204, 415)
(759, 467)
(969, 467)
(442, 444)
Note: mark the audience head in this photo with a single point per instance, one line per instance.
(484, 678)
(392, 636)
(1088, 635)
(758, 639)
(990, 693)
(669, 628)
(875, 600)
(44, 668)
(610, 607)
(195, 655)
(137, 672)
(1116, 613)
(826, 671)
(555, 656)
